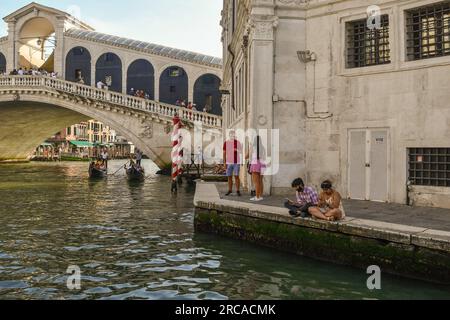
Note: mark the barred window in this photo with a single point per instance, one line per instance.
(428, 31)
(368, 47)
(429, 166)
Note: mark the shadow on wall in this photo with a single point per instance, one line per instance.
(25, 125)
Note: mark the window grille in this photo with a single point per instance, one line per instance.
(429, 166)
(428, 31)
(368, 47)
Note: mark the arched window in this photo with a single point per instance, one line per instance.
(109, 70)
(141, 76)
(2, 63)
(78, 65)
(207, 94)
(173, 85)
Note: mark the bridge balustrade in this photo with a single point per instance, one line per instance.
(10, 83)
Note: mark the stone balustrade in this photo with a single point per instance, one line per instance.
(88, 92)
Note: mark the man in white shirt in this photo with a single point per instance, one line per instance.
(20, 72)
(100, 85)
(105, 157)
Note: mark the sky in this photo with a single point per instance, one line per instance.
(192, 25)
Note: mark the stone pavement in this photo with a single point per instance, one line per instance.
(428, 218)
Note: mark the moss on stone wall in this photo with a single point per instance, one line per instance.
(395, 258)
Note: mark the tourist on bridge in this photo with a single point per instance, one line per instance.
(330, 204)
(101, 85)
(232, 153)
(307, 197)
(132, 92)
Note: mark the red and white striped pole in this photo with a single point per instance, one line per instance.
(177, 151)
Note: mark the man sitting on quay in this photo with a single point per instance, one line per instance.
(232, 155)
(307, 197)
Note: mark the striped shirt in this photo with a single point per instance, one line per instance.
(309, 195)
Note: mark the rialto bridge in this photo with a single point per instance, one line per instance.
(34, 108)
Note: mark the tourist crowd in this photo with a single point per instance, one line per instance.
(139, 94)
(189, 106)
(33, 72)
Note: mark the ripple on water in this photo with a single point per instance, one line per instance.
(13, 285)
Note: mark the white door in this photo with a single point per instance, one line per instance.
(368, 164)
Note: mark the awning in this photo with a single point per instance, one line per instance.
(46, 144)
(81, 144)
(106, 145)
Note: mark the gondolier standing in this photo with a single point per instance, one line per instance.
(104, 155)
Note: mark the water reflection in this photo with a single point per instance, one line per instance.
(136, 241)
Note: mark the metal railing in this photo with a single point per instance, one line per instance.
(28, 82)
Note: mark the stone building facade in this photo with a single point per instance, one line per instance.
(359, 93)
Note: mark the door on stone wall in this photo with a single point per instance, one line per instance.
(368, 164)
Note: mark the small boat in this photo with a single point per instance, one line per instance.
(96, 172)
(135, 173)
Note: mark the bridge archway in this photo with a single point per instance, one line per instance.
(30, 121)
(109, 70)
(2, 63)
(141, 76)
(207, 94)
(37, 44)
(173, 85)
(78, 64)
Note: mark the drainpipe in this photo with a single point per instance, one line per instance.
(232, 76)
(306, 57)
(408, 190)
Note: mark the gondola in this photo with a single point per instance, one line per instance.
(97, 173)
(135, 173)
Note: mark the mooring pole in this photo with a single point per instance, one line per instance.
(176, 152)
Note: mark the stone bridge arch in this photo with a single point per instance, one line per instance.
(147, 123)
(23, 130)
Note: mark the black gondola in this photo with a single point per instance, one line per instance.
(135, 173)
(97, 173)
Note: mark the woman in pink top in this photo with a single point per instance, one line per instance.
(257, 166)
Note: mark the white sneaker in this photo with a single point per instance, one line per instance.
(254, 199)
(259, 199)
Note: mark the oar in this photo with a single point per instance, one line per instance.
(121, 167)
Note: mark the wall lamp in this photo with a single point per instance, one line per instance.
(306, 56)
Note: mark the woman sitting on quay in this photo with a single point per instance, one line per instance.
(330, 206)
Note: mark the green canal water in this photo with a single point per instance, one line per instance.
(137, 241)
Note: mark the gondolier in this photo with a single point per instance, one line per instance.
(135, 172)
(104, 155)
